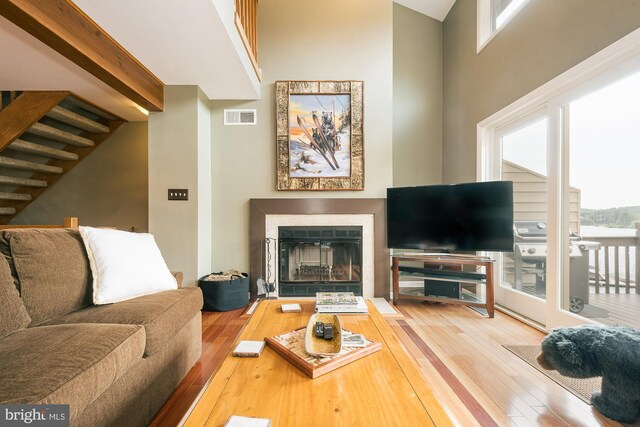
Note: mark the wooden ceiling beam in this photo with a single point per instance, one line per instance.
(22, 113)
(64, 27)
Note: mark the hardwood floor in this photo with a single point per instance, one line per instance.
(219, 331)
(458, 352)
(469, 346)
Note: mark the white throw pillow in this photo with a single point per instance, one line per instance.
(125, 265)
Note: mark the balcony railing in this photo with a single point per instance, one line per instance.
(613, 271)
(246, 19)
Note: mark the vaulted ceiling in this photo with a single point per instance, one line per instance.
(437, 9)
(180, 45)
(192, 45)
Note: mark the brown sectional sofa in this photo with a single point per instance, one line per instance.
(114, 364)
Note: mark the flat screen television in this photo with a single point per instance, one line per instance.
(461, 217)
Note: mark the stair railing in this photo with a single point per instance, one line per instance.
(246, 20)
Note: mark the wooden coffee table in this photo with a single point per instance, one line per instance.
(381, 389)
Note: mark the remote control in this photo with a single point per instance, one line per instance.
(328, 331)
(319, 330)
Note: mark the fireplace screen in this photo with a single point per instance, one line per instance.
(320, 259)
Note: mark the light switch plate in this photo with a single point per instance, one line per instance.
(178, 194)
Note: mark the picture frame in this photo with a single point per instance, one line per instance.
(319, 135)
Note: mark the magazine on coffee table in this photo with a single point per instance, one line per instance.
(340, 302)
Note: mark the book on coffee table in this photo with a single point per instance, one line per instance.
(238, 421)
(353, 340)
(290, 308)
(248, 349)
(335, 298)
(360, 306)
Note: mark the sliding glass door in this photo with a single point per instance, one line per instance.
(601, 203)
(573, 159)
(523, 159)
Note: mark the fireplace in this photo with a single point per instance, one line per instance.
(319, 259)
(268, 215)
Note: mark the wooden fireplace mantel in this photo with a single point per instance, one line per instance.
(260, 208)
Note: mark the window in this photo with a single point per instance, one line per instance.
(493, 15)
(584, 124)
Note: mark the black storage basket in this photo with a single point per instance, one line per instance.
(225, 295)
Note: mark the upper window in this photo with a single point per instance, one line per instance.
(493, 15)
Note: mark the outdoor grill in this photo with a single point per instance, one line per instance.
(530, 259)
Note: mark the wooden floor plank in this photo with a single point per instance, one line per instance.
(479, 413)
(445, 395)
(472, 348)
(219, 331)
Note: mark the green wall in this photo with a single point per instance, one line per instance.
(180, 157)
(108, 188)
(417, 98)
(324, 40)
(545, 39)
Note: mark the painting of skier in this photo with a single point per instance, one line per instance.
(319, 135)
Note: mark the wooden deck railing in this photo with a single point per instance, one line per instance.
(246, 19)
(617, 277)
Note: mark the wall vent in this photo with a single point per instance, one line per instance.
(240, 117)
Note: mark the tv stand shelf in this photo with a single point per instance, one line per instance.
(445, 268)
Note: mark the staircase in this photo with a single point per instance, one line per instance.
(43, 135)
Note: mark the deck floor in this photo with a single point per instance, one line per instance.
(623, 309)
(609, 309)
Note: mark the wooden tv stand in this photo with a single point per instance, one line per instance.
(445, 268)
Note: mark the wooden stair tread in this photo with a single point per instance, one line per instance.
(69, 117)
(13, 180)
(41, 150)
(14, 196)
(59, 135)
(38, 123)
(12, 163)
(90, 108)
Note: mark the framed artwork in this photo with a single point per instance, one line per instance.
(319, 132)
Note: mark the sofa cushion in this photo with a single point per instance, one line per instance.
(66, 364)
(52, 270)
(162, 314)
(13, 315)
(125, 265)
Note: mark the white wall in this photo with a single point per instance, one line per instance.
(204, 185)
(226, 10)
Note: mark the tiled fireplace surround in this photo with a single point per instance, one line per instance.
(267, 214)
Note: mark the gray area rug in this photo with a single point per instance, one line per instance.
(581, 388)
